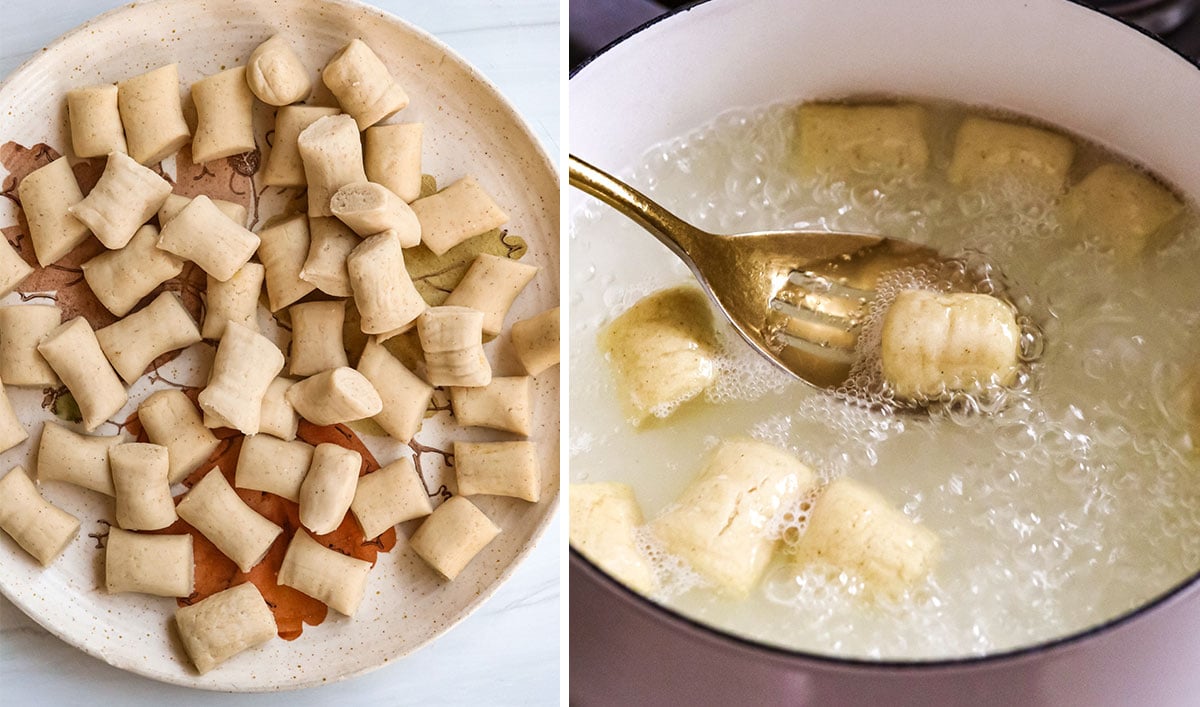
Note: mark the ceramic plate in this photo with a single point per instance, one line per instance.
(469, 129)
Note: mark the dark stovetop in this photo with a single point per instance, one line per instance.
(594, 23)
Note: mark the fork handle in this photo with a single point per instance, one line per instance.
(672, 231)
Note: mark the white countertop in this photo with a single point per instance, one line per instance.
(507, 652)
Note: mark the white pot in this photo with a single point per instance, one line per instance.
(1050, 59)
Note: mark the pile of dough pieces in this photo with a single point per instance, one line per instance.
(363, 210)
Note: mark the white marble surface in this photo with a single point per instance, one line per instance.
(507, 653)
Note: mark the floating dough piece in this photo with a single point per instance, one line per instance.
(278, 417)
(317, 337)
(76, 459)
(662, 351)
(121, 278)
(39, 527)
(13, 268)
(220, 626)
(177, 202)
(854, 529)
(452, 339)
(1119, 208)
(47, 195)
(456, 213)
(383, 292)
(245, 364)
(95, 121)
(960, 341)
(126, 196)
(405, 396)
(161, 565)
(332, 157)
(452, 536)
(850, 138)
(284, 167)
(139, 475)
(75, 355)
(491, 285)
(22, 327)
(498, 469)
(152, 114)
(335, 396)
(214, 508)
(283, 250)
(12, 432)
(331, 244)
(720, 523)
(362, 84)
(336, 580)
(388, 496)
(275, 73)
(273, 465)
(329, 487)
(603, 527)
(392, 157)
(984, 148)
(224, 116)
(536, 341)
(369, 208)
(202, 234)
(235, 300)
(131, 344)
(506, 403)
(171, 420)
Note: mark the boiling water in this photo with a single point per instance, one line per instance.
(1062, 504)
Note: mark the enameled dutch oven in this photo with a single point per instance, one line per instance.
(1051, 59)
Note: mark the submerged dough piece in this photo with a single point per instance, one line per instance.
(74, 353)
(456, 213)
(161, 565)
(389, 496)
(39, 527)
(131, 344)
(220, 626)
(405, 396)
(336, 580)
(721, 523)
(854, 529)
(171, 420)
(22, 328)
(362, 84)
(392, 157)
(275, 74)
(46, 196)
(498, 469)
(958, 341)
(329, 487)
(984, 147)
(95, 121)
(662, 351)
(603, 527)
(245, 364)
(1119, 208)
(121, 278)
(842, 138)
(491, 285)
(76, 459)
(124, 199)
(505, 403)
(276, 466)
(536, 341)
(152, 114)
(452, 536)
(214, 508)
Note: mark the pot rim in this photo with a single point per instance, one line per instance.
(1053, 645)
